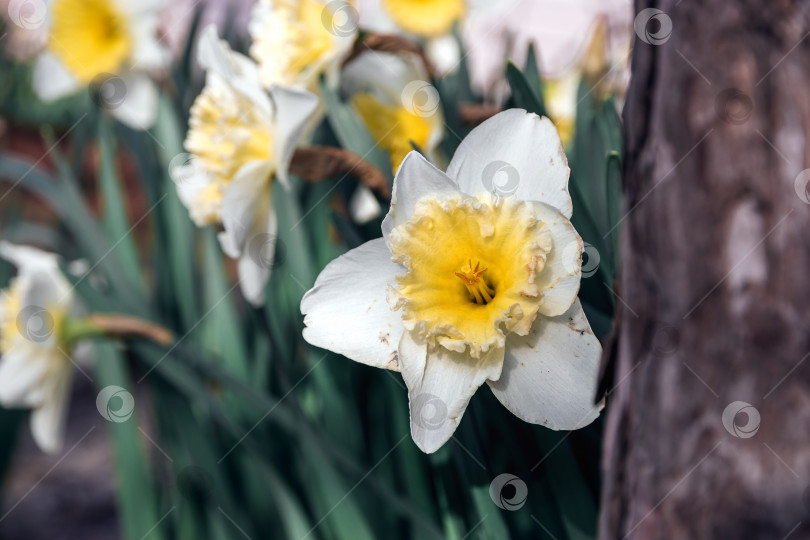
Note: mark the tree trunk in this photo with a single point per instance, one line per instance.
(714, 288)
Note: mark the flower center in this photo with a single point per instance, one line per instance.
(226, 131)
(473, 279)
(458, 301)
(89, 37)
(291, 42)
(31, 324)
(392, 127)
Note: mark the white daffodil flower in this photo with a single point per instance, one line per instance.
(296, 41)
(240, 138)
(479, 288)
(35, 371)
(398, 105)
(108, 44)
(399, 108)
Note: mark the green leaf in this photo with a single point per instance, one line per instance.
(531, 71)
(523, 95)
(115, 212)
(179, 244)
(220, 331)
(577, 507)
(136, 494)
(64, 197)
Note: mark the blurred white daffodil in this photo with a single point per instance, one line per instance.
(240, 138)
(296, 41)
(35, 371)
(480, 288)
(399, 108)
(109, 45)
(422, 18)
(398, 105)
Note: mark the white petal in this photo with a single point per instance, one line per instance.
(346, 311)
(244, 196)
(549, 377)
(48, 421)
(363, 206)
(383, 74)
(138, 109)
(142, 8)
(444, 53)
(294, 109)
(415, 178)
(258, 253)
(46, 288)
(21, 374)
(191, 179)
(519, 151)
(440, 384)
(148, 52)
(214, 54)
(28, 258)
(51, 79)
(559, 280)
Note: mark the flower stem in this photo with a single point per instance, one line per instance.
(116, 326)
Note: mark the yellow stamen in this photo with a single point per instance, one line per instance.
(480, 292)
(500, 294)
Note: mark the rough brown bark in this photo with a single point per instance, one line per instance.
(715, 264)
